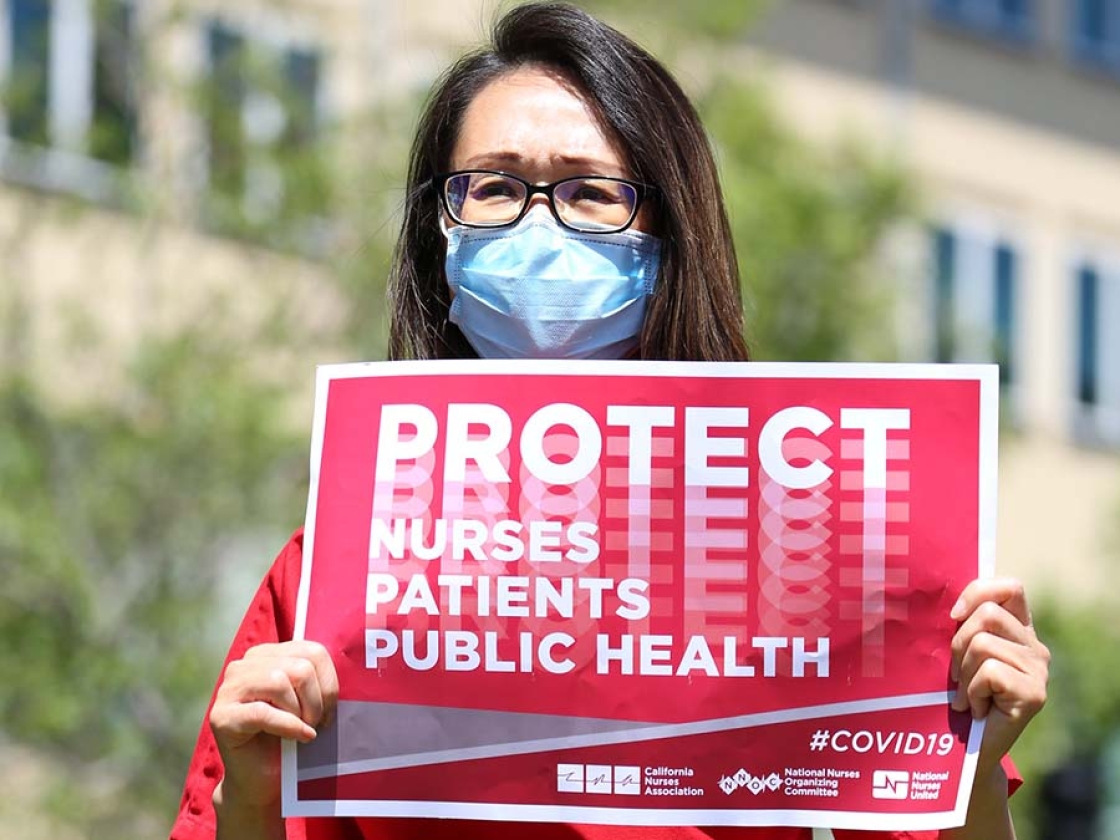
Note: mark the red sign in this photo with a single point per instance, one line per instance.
(645, 593)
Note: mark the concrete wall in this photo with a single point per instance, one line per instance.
(899, 42)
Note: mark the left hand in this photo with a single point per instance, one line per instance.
(1000, 666)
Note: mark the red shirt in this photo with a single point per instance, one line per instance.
(270, 618)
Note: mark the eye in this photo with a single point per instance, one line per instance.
(592, 193)
(596, 193)
(494, 188)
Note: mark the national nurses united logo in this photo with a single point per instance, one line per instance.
(890, 784)
(755, 784)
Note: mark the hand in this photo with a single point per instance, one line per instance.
(1000, 666)
(276, 691)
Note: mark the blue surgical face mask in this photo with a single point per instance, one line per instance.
(540, 291)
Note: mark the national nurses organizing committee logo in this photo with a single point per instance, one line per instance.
(890, 784)
(598, 778)
(749, 781)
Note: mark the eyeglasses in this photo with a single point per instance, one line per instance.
(486, 198)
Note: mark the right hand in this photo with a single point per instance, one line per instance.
(275, 691)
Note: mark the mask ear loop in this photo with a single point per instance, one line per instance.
(446, 231)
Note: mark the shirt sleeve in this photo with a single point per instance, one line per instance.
(270, 618)
(1014, 777)
(1014, 781)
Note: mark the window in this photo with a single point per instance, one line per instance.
(112, 129)
(1097, 351)
(264, 159)
(1095, 36)
(27, 83)
(975, 279)
(1008, 19)
(69, 80)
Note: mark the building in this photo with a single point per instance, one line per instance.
(1008, 114)
(164, 122)
(141, 144)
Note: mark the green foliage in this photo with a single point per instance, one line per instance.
(371, 206)
(718, 20)
(807, 224)
(1085, 674)
(121, 521)
(134, 527)
(1083, 708)
(274, 187)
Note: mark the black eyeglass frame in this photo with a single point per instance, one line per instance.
(641, 192)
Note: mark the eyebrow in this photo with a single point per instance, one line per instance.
(498, 158)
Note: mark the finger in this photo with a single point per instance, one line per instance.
(235, 723)
(264, 679)
(326, 678)
(1001, 661)
(304, 679)
(989, 617)
(982, 647)
(1007, 592)
(303, 648)
(320, 658)
(1018, 694)
(328, 686)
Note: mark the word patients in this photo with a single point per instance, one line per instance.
(516, 585)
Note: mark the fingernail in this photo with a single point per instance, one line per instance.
(957, 612)
(954, 671)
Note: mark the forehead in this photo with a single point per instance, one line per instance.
(537, 125)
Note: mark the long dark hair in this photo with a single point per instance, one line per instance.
(696, 311)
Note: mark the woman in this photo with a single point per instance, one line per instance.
(563, 203)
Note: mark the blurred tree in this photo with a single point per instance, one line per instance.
(713, 22)
(117, 525)
(135, 525)
(267, 146)
(1082, 714)
(808, 225)
(808, 222)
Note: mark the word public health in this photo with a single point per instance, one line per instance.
(499, 568)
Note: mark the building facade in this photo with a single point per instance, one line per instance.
(161, 159)
(1007, 112)
(173, 126)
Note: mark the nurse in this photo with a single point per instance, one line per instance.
(562, 203)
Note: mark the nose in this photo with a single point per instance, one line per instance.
(538, 200)
(538, 208)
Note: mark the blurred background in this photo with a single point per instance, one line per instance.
(197, 202)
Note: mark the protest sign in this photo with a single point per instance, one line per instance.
(645, 593)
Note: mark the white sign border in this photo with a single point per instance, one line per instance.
(986, 375)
